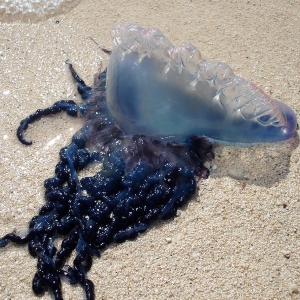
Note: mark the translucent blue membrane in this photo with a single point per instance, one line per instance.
(156, 89)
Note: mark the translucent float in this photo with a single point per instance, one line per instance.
(156, 89)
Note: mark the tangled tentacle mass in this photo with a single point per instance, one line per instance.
(143, 179)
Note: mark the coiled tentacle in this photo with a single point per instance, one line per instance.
(69, 106)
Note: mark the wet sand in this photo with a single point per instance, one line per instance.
(239, 238)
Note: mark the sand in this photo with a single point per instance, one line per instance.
(239, 238)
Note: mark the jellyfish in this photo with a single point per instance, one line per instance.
(149, 121)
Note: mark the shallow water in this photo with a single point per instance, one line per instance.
(33, 10)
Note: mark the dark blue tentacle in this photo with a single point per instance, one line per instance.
(141, 180)
(69, 106)
(84, 90)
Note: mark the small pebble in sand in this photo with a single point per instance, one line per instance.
(293, 288)
(286, 253)
(169, 240)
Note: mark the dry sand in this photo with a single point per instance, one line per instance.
(240, 238)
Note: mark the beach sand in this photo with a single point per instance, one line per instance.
(239, 237)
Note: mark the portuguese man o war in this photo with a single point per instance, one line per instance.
(148, 121)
